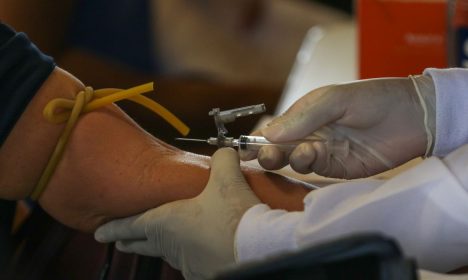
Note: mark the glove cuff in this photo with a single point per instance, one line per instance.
(425, 90)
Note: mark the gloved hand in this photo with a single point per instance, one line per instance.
(195, 235)
(362, 128)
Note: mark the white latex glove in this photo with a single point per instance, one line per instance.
(364, 127)
(195, 235)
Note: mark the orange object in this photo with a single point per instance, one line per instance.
(401, 37)
(460, 18)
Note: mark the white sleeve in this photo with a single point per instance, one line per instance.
(425, 209)
(451, 86)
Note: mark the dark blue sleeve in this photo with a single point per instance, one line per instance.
(23, 69)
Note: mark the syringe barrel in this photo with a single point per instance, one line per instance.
(254, 143)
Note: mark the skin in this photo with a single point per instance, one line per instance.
(111, 168)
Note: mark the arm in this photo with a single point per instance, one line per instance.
(424, 209)
(111, 167)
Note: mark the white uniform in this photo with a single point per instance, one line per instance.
(424, 208)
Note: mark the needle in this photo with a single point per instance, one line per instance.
(191, 139)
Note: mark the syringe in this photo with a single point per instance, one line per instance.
(254, 143)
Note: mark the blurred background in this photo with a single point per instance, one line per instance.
(200, 53)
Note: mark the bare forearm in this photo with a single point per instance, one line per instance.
(114, 169)
(111, 167)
